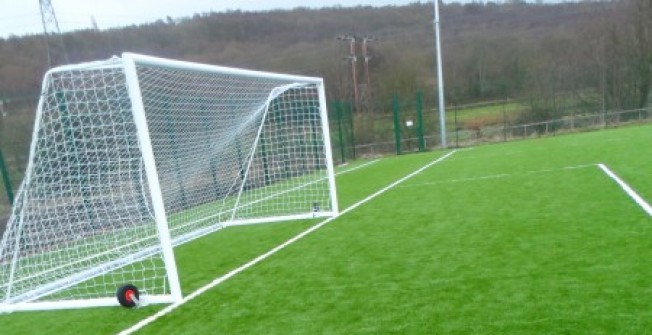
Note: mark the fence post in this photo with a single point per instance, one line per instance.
(504, 121)
(457, 129)
(351, 117)
(6, 180)
(397, 123)
(340, 135)
(547, 127)
(422, 142)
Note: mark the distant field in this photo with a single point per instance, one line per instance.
(524, 237)
(485, 111)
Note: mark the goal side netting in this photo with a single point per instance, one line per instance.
(135, 155)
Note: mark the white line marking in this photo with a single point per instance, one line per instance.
(574, 167)
(357, 167)
(501, 175)
(219, 280)
(632, 194)
(494, 176)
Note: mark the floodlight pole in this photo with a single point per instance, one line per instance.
(440, 78)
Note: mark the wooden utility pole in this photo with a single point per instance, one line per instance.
(353, 58)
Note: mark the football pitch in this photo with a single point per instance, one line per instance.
(526, 237)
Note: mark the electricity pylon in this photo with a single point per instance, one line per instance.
(56, 50)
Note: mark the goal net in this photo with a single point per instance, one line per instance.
(134, 155)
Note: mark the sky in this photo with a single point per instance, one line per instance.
(21, 17)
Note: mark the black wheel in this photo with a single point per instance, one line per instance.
(128, 296)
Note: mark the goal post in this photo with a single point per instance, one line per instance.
(144, 140)
(135, 155)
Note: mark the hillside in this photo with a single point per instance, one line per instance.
(490, 51)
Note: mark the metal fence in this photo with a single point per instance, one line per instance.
(572, 123)
(16, 122)
(395, 127)
(400, 132)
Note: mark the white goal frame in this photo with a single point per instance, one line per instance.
(128, 63)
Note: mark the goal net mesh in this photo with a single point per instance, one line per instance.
(228, 149)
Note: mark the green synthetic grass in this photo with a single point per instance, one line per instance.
(284, 195)
(504, 238)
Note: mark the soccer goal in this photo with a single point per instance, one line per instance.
(135, 155)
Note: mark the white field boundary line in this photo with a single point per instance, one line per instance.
(630, 192)
(501, 175)
(152, 318)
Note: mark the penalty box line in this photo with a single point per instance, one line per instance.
(625, 187)
(630, 191)
(152, 318)
(500, 175)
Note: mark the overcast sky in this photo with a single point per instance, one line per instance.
(20, 17)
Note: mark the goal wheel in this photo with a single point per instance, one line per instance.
(128, 296)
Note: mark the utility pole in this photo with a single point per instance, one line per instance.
(56, 50)
(440, 78)
(365, 54)
(353, 57)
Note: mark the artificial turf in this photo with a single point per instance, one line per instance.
(526, 237)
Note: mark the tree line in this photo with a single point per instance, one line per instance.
(595, 54)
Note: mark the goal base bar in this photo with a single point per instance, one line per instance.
(280, 219)
(75, 304)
